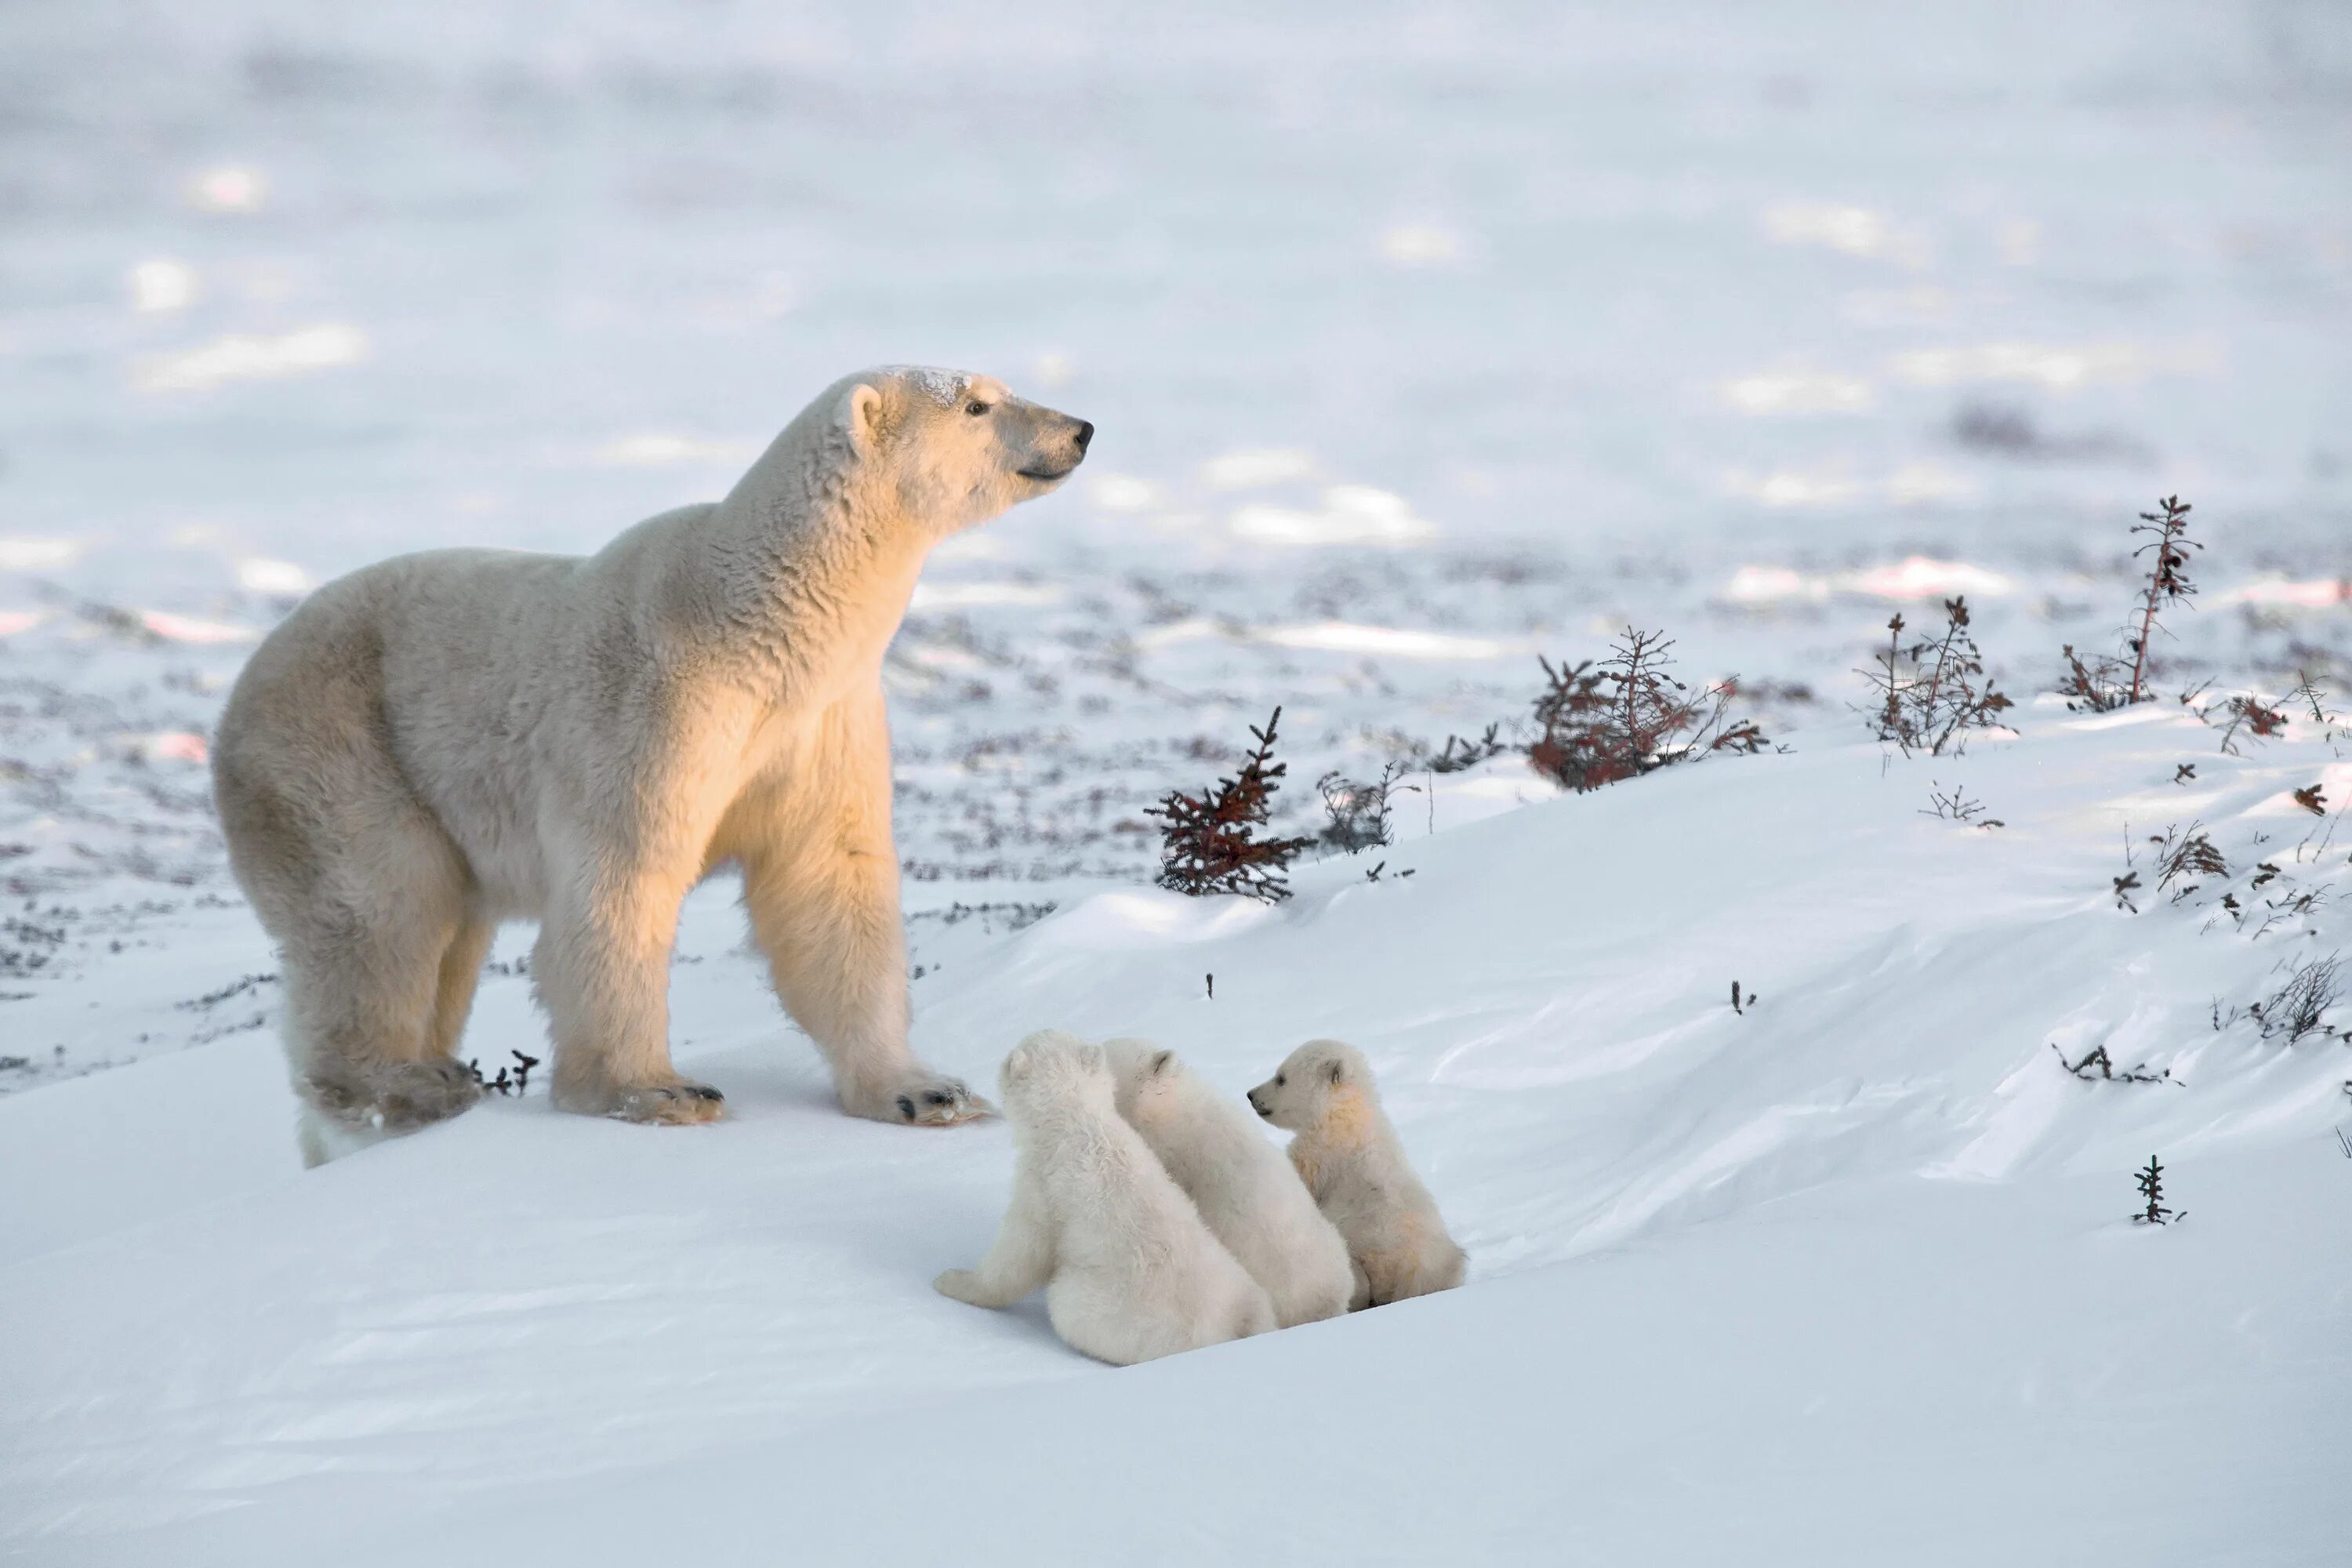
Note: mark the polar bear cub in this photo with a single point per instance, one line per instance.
(1130, 1271)
(1247, 1192)
(1349, 1158)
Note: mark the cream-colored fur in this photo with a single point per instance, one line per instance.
(1349, 1158)
(1251, 1199)
(1130, 1272)
(446, 741)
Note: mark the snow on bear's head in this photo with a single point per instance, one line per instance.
(953, 449)
(1050, 1068)
(1314, 1080)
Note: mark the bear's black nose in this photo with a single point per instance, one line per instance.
(1086, 434)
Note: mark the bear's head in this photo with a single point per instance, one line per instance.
(1313, 1081)
(952, 449)
(1050, 1068)
(1146, 1079)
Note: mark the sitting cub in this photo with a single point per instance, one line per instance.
(1247, 1192)
(1349, 1158)
(1129, 1270)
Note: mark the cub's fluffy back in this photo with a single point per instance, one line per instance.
(1245, 1188)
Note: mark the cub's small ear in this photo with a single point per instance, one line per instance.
(1338, 1073)
(1016, 1061)
(861, 412)
(1160, 1060)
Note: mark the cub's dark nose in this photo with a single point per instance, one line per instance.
(1086, 434)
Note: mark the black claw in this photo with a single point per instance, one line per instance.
(704, 1091)
(905, 1107)
(937, 1097)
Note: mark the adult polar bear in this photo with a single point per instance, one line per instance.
(448, 740)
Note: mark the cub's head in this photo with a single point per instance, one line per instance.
(956, 448)
(1311, 1078)
(1146, 1077)
(1050, 1068)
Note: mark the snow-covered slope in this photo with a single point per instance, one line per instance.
(1846, 1275)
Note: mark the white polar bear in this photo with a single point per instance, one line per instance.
(1248, 1194)
(1349, 1158)
(1129, 1270)
(445, 740)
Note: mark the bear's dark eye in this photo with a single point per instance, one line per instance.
(975, 408)
(1278, 1080)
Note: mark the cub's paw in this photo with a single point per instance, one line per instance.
(961, 1285)
(924, 1099)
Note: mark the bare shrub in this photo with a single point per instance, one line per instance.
(2129, 883)
(1930, 694)
(2090, 687)
(1459, 754)
(1357, 812)
(1956, 806)
(2299, 1007)
(2248, 715)
(1627, 717)
(2183, 852)
(2107, 1072)
(1211, 842)
(2309, 696)
(2105, 681)
(514, 1080)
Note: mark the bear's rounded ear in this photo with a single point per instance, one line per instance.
(1160, 1060)
(1016, 1061)
(1338, 1073)
(861, 414)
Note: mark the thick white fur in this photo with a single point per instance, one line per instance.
(442, 742)
(1248, 1194)
(1130, 1271)
(1349, 1158)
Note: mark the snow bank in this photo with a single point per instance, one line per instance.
(1847, 1275)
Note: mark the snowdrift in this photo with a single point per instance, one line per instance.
(1845, 1275)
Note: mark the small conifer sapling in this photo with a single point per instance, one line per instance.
(1214, 842)
(2151, 1191)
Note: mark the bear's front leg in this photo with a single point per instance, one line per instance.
(602, 971)
(821, 883)
(831, 932)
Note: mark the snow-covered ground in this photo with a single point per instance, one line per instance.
(1421, 341)
(1848, 1275)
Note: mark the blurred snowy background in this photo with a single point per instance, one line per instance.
(1421, 338)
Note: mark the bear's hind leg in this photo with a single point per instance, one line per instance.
(363, 893)
(461, 971)
(362, 978)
